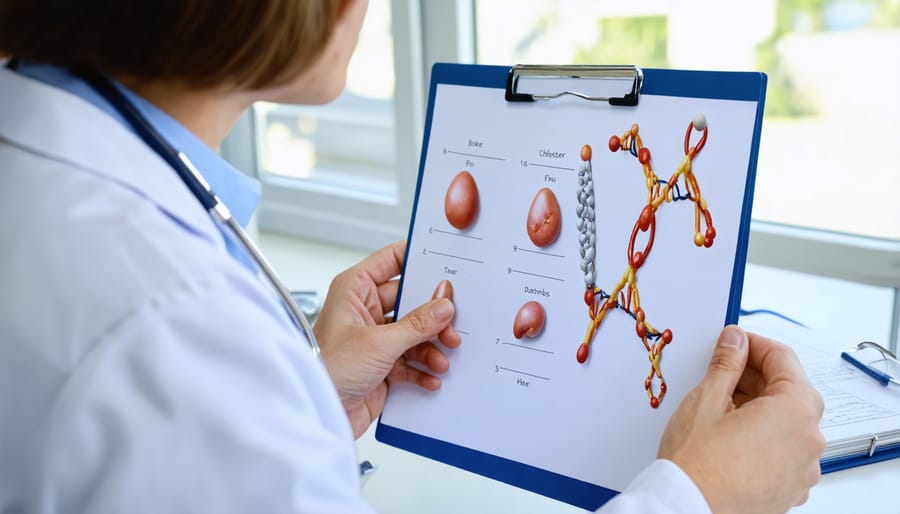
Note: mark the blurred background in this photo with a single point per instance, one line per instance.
(825, 242)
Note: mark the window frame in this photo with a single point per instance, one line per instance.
(330, 213)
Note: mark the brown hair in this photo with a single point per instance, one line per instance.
(203, 43)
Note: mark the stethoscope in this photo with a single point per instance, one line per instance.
(198, 186)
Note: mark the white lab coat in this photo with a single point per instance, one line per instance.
(142, 368)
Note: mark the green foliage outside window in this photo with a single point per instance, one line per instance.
(783, 98)
(644, 40)
(628, 40)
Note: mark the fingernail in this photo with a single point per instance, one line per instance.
(732, 336)
(442, 309)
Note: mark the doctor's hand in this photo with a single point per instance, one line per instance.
(363, 353)
(748, 434)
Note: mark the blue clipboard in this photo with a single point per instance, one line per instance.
(886, 452)
(501, 82)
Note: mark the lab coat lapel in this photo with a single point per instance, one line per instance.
(61, 126)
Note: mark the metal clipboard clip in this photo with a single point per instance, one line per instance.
(522, 79)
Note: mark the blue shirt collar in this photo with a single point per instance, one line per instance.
(239, 192)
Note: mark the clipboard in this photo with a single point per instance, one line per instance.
(877, 451)
(861, 422)
(592, 222)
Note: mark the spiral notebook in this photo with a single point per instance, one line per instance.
(591, 223)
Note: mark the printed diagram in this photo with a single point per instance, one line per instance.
(624, 295)
(529, 320)
(461, 201)
(543, 218)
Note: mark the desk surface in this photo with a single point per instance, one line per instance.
(407, 483)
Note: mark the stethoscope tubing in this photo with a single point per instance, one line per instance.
(277, 284)
(201, 190)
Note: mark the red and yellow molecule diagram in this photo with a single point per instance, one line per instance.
(625, 296)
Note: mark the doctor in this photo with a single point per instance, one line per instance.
(144, 367)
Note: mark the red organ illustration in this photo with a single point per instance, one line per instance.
(543, 218)
(529, 320)
(624, 296)
(444, 289)
(461, 200)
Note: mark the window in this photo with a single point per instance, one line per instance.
(344, 172)
(829, 157)
(348, 144)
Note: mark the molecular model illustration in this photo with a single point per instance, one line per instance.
(624, 295)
